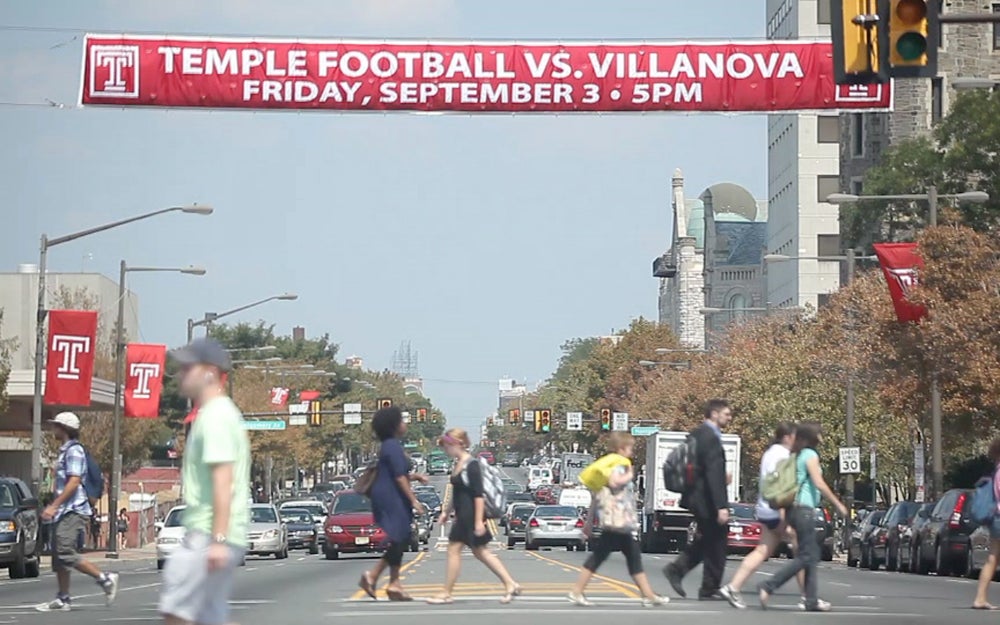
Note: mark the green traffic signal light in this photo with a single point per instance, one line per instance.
(911, 46)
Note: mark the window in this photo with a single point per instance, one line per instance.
(826, 186)
(857, 186)
(937, 100)
(822, 300)
(823, 12)
(858, 134)
(996, 28)
(828, 244)
(828, 129)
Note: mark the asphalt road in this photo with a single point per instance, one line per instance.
(305, 590)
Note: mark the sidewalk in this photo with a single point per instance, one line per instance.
(97, 556)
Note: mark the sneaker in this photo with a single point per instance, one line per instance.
(763, 595)
(675, 580)
(821, 606)
(655, 601)
(733, 597)
(109, 583)
(59, 604)
(579, 600)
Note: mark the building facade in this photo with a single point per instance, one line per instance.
(966, 51)
(714, 261)
(803, 153)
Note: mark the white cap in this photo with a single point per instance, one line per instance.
(68, 420)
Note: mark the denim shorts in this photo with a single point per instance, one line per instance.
(771, 524)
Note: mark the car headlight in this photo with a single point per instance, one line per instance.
(7, 526)
(335, 529)
(271, 534)
(167, 541)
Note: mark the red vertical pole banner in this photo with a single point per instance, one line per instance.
(144, 366)
(69, 368)
(279, 396)
(901, 265)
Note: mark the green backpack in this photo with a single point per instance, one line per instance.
(780, 487)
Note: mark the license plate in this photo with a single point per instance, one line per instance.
(362, 540)
(736, 529)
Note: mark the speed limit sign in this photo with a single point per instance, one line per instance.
(850, 460)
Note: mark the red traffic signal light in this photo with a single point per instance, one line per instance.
(421, 414)
(385, 402)
(514, 416)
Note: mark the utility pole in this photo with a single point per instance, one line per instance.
(937, 459)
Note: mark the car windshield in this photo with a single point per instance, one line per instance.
(6, 496)
(555, 511)
(316, 509)
(296, 515)
(351, 502)
(263, 515)
(175, 518)
(520, 497)
(522, 512)
(743, 512)
(429, 498)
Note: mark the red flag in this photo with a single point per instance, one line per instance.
(901, 265)
(279, 396)
(69, 368)
(308, 395)
(144, 366)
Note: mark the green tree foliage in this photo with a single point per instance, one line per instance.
(963, 153)
(5, 348)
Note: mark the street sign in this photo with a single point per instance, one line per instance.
(275, 425)
(297, 419)
(918, 470)
(850, 460)
(352, 414)
(299, 408)
(871, 459)
(619, 421)
(406, 417)
(574, 421)
(644, 430)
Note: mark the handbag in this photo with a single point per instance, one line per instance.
(614, 512)
(595, 476)
(366, 480)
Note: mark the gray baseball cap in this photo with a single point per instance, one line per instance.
(203, 352)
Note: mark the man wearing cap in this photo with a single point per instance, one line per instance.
(198, 576)
(70, 512)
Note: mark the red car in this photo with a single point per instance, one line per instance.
(744, 529)
(487, 456)
(350, 527)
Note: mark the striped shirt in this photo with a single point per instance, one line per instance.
(72, 462)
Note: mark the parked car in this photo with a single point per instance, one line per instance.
(906, 539)
(744, 529)
(825, 536)
(316, 507)
(267, 535)
(885, 538)
(555, 526)
(351, 528)
(301, 527)
(516, 523)
(979, 550)
(170, 535)
(860, 538)
(20, 529)
(942, 545)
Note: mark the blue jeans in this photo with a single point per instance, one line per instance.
(803, 520)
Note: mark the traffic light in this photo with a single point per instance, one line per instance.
(545, 421)
(489, 422)
(514, 416)
(913, 38)
(315, 414)
(859, 43)
(385, 402)
(605, 419)
(421, 415)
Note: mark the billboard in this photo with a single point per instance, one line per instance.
(467, 77)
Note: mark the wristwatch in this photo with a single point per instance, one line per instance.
(219, 539)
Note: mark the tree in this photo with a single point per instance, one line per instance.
(962, 153)
(6, 346)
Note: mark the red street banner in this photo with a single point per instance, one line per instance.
(279, 396)
(144, 366)
(69, 367)
(900, 265)
(468, 77)
(308, 395)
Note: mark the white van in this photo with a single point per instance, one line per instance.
(539, 476)
(575, 497)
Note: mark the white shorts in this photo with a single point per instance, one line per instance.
(192, 593)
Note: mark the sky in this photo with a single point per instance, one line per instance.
(484, 241)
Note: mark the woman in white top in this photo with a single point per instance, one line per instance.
(773, 520)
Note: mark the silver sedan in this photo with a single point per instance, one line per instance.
(555, 526)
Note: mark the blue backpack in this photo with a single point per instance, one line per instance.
(93, 480)
(984, 502)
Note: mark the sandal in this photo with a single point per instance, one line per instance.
(984, 606)
(442, 600)
(366, 585)
(398, 595)
(513, 592)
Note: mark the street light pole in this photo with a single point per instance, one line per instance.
(42, 312)
(849, 401)
(116, 427)
(937, 453)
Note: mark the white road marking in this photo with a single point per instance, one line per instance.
(863, 597)
(839, 584)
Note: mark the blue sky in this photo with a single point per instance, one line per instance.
(485, 241)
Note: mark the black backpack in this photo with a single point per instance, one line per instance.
(681, 467)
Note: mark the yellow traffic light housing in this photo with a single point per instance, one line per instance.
(860, 42)
(421, 415)
(546, 421)
(605, 419)
(913, 33)
(514, 416)
(315, 413)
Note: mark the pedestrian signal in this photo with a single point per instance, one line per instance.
(315, 413)
(605, 419)
(421, 415)
(385, 402)
(514, 416)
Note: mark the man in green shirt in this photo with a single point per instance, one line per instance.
(198, 576)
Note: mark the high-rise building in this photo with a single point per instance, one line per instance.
(966, 51)
(803, 154)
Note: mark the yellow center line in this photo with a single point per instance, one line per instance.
(360, 594)
(629, 590)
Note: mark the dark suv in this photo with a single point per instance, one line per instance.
(885, 539)
(942, 543)
(20, 544)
